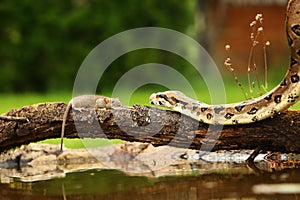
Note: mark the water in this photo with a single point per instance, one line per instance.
(36, 171)
(214, 181)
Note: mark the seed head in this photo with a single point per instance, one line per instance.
(252, 36)
(255, 43)
(227, 47)
(258, 17)
(252, 24)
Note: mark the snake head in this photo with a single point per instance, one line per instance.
(165, 99)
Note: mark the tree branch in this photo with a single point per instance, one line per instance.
(145, 124)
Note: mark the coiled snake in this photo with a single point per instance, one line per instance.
(277, 100)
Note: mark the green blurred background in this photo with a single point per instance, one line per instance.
(43, 44)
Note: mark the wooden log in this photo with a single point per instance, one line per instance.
(147, 124)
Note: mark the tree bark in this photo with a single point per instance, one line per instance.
(147, 124)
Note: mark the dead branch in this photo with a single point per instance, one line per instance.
(151, 125)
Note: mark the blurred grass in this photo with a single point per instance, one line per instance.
(11, 101)
(78, 143)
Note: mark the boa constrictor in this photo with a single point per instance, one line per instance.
(279, 99)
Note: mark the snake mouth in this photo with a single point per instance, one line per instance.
(155, 100)
(155, 103)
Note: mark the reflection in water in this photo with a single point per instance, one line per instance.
(233, 183)
(280, 188)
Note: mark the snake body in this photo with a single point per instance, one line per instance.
(277, 100)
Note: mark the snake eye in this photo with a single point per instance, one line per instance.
(160, 103)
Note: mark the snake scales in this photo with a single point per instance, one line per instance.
(277, 100)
